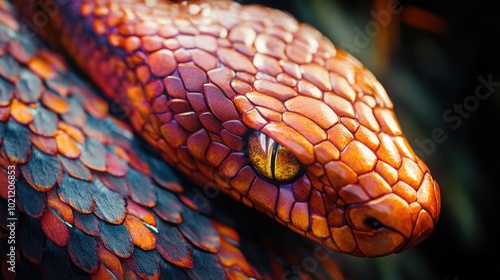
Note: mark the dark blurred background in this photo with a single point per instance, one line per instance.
(439, 62)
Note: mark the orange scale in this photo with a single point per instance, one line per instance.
(171, 44)
(204, 60)
(317, 75)
(41, 68)
(389, 173)
(162, 63)
(54, 102)
(265, 100)
(350, 123)
(367, 137)
(243, 34)
(110, 263)
(214, 30)
(101, 11)
(21, 112)
(186, 158)
(54, 203)
(141, 236)
(322, 115)
(366, 116)
(309, 89)
(339, 174)
(405, 191)
(66, 146)
(141, 212)
(353, 194)
(115, 40)
(206, 42)
(190, 203)
(410, 173)
(342, 87)
(231, 256)
(374, 184)
(317, 205)
(236, 61)
(253, 119)
(154, 89)
(266, 77)
(404, 148)
(114, 17)
(143, 74)
(72, 131)
(99, 27)
(300, 216)
(319, 226)
(325, 152)
(95, 106)
(340, 65)
(359, 157)
(240, 86)
(340, 136)
(227, 232)
(131, 44)
(167, 152)
(270, 114)
(369, 100)
(309, 129)
(344, 239)
(301, 147)
(341, 106)
(286, 200)
(86, 9)
(122, 154)
(182, 56)
(276, 90)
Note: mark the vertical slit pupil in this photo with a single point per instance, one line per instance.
(273, 159)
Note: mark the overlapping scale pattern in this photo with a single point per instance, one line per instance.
(90, 200)
(197, 76)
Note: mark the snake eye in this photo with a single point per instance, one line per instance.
(373, 223)
(270, 160)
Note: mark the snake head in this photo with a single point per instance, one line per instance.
(355, 186)
(285, 122)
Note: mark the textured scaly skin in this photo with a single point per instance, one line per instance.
(197, 76)
(90, 201)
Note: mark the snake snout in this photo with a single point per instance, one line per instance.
(389, 224)
(381, 226)
(425, 214)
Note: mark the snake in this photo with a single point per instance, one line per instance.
(121, 98)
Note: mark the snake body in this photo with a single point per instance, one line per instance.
(244, 98)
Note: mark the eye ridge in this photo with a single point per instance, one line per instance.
(271, 158)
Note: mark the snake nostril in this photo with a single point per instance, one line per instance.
(373, 223)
